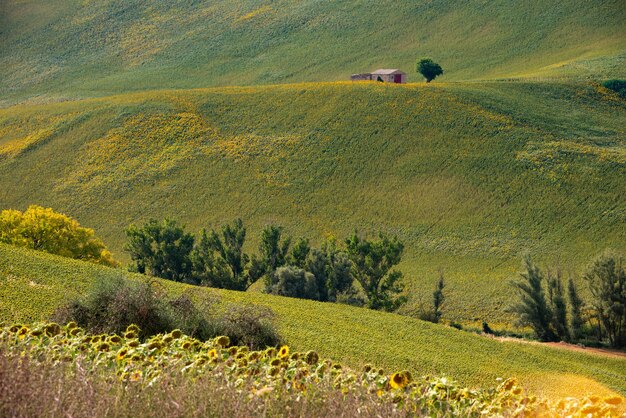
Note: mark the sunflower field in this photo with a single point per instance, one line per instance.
(269, 376)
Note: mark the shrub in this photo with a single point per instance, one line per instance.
(618, 86)
(487, 329)
(111, 306)
(294, 282)
(43, 229)
(251, 326)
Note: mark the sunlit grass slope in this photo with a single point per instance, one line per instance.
(32, 284)
(470, 176)
(61, 48)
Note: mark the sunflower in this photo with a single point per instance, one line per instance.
(36, 332)
(222, 341)
(614, 400)
(273, 371)
(212, 353)
(122, 354)
(23, 332)
(135, 376)
(130, 335)
(104, 346)
(133, 328)
(283, 352)
(398, 380)
(75, 331)
(312, 357)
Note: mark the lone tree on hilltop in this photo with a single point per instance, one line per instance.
(429, 69)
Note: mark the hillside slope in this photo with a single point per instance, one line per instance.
(70, 48)
(470, 176)
(32, 284)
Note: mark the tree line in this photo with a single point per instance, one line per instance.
(216, 258)
(557, 313)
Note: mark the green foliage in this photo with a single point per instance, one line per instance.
(160, 249)
(533, 308)
(576, 305)
(299, 253)
(438, 298)
(43, 229)
(332, 270)
(372, 263)
(607, 282)
(429, 69)
(618, 86)
(33, 284)
(219, 261)
(273, 252)
(294, 282)
(558, 305)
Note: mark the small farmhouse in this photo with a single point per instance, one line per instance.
(386, 75)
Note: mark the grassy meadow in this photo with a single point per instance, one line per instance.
(70, 49)
(33, 284)
(471, 176)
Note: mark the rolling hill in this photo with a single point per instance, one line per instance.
(471, 176)
(61, 49)
(33, 284)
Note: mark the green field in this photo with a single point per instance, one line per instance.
(32, 284)
(67, 48)
(470, 176)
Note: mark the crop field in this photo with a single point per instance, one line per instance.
(171, 364)
(33, 284)
(471, 176)
(81, 49)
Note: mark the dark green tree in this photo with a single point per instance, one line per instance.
(607, 282)
(532, 308)
(294, 282)
(219, 260)
(332, 270)
(576, 305)
(273, 253)
(558, 306)
(160, 249)
(429, 69)
(438, 297)
(299, 253)
(209, 269)
(372, 263)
